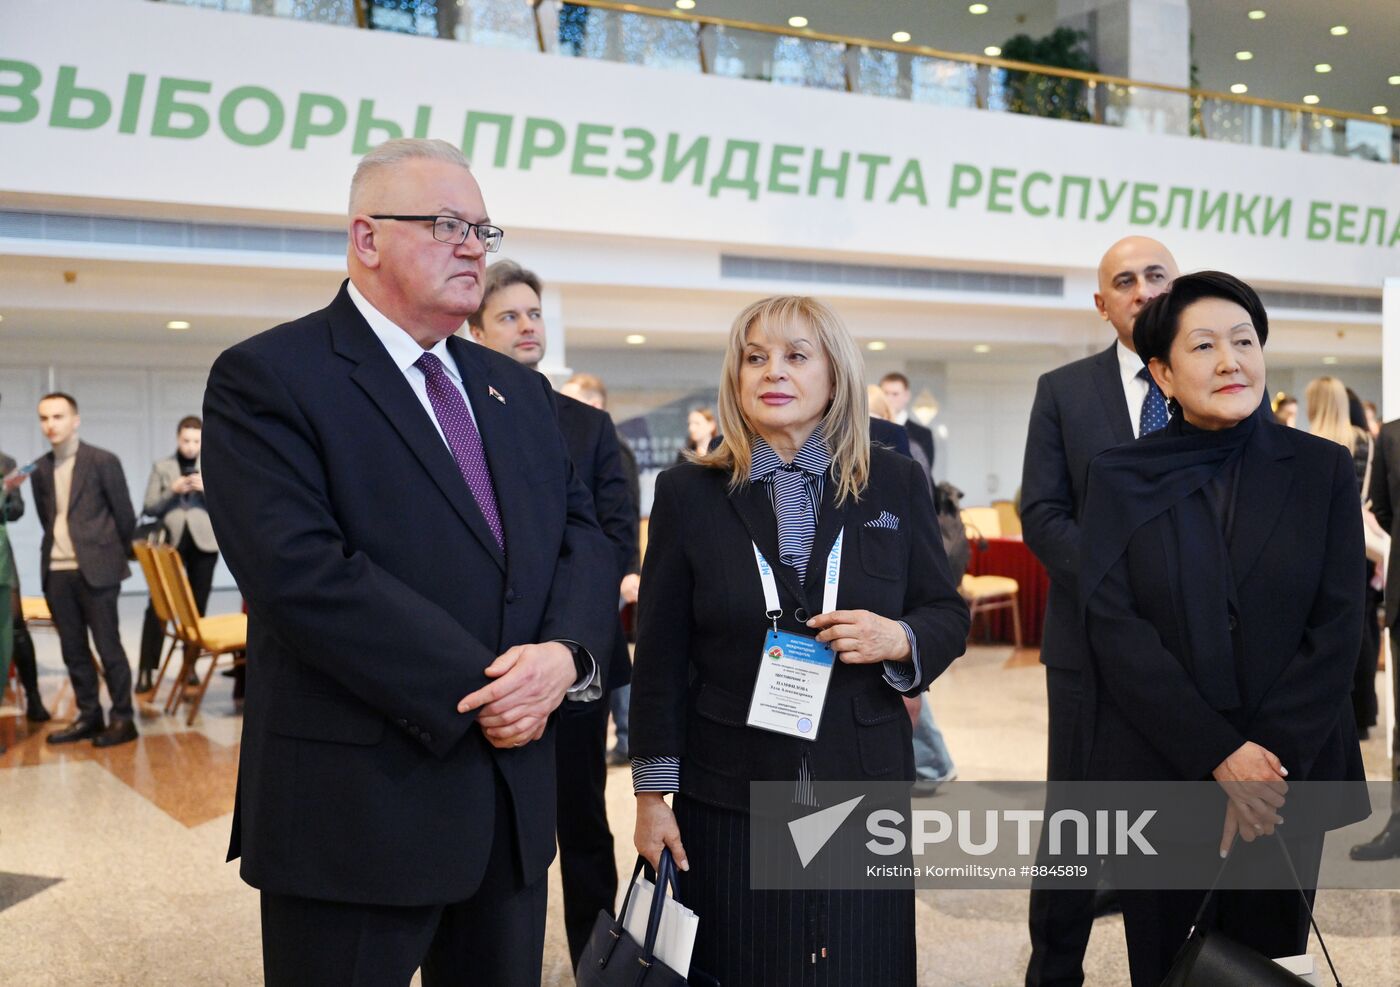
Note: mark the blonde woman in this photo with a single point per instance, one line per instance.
(795, 479)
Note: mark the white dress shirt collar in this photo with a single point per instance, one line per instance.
(403, 349)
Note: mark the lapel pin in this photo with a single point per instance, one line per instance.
(495, 394)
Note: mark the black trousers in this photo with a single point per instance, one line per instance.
(80, 610)
(24, 658)
(587, 860)
(199, 565)
(1060, 920)
(493, 939)
(1274, 922)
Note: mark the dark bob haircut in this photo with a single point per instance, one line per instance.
(1157, 324)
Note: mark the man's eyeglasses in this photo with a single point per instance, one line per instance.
(450, 229)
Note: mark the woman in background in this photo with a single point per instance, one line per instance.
(701, 433)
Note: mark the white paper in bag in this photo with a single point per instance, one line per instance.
(675, 939)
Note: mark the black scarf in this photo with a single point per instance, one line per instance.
(1134, 483)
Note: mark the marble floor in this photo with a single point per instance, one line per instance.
(112, 862)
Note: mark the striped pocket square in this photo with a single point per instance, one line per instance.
(885, 520)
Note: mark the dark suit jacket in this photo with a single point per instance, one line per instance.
(12, 507)
(1385, 497)
(889, 435)
(634, 490)
(100, 518)
(592, 441)
(701, 627)
(1295, 554)
(376, 597)
(921, 437)
(1079, 411)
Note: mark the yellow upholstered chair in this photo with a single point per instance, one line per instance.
(987, 593)
(36, 611)
(204, 637)
(1008, 518)
(981, 522)
(160, 603)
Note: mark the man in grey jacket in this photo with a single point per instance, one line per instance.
(84, 507)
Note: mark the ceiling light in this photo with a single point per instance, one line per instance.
(900, 36)
(798, 21)
(977, 8)
(1311, 100)
(685, 4)
(981, 348)
(1339, 30)
(1257, 15)
(636, 339)
(992, 50)
(1329, 360)
(1380, 111)
(1394, 80)
(876, 345)
(1239, 89)
(1329, 123)
(1244, 56)
(1322, 68)
(177, 324)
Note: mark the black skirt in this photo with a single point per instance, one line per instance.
(747, 938)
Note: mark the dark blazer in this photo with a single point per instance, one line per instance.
(634, 490)
(701, 627)
(889, 435)
(1079, 411)
(100, 518)
(921, 437)
(592, 441)
(376, 596)
(1385, 497)
(1298, 585)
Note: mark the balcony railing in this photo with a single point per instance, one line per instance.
(682, 41)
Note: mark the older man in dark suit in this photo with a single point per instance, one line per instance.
(419, 559)
(1080, 410)
(511, 321)
(84, 506)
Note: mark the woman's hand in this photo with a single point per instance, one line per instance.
(1253, 778)
(656, 828)
(860, 637)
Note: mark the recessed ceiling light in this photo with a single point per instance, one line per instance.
(1244, 56)
(1380, 111)
(1322, 68)
(1329, 360)
(1394, 80)
(798, 21)
(1239, 88)
(1339, 30)
(177, 324)
(1257, 15)
(1329, 123)
(900, 36)
(685, 4)
(876, 345)
(992, 50)
(981, 348)
(636, 339)
(1311, 100)
(977, 8)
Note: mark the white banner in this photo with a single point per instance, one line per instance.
(158, 103)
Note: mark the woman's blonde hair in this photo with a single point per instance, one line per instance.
(846, 423)
(1328, 414)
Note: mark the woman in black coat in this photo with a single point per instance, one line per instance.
(795, 479)
(1223, 605)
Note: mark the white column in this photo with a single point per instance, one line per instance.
(555, 365)
(1390, 350)
(1142, 40)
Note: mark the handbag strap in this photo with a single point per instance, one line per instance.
(1288, 859)
(665, 876)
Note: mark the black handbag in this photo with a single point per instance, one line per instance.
(1211, 959)
(613, 958)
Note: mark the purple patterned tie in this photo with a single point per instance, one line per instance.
(464, 440)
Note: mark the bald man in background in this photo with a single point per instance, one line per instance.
(1080, 410)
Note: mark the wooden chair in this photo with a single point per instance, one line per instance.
(36, 611)
(160, 603)
(983, 521)
(204, 637)
(985, 594)
(1007, 517)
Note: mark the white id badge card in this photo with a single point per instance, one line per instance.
(793, 676)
